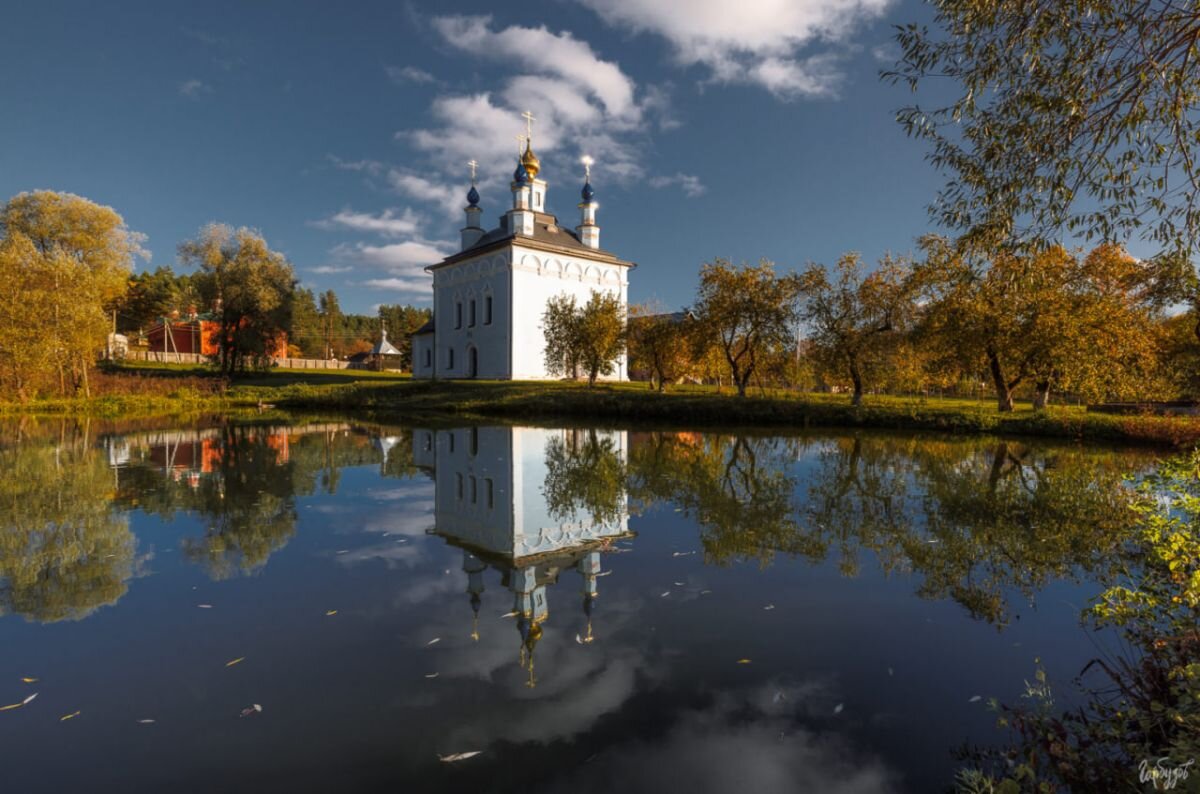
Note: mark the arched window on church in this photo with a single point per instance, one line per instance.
(487, 310)
(458, 315)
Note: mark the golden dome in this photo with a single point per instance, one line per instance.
(530, 161)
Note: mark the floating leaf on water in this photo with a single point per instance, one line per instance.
(29, 680)
(838, 708)
(682, 553)
(975, 699)
(238, 660)
(24, 702)
(203, 606)
(579, 639)
(449, 759)
(330, 612)
(779, 697)
(743, 661)
(769, 607)
(705, 592)
(603, 573)
(343, 551)
(891, 671)
(432, 675)
(251, 710)
(146, 722)
(70, 716)
(664, 595)
(434, 641)
(510, 614)
(677, 584)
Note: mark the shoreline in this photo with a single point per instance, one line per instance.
(631, 404)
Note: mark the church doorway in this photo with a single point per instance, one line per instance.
(472, 362)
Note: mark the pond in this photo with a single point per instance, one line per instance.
(329, 605)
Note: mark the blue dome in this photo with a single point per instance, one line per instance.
(521, 176)
(587, 192)
(473, 196)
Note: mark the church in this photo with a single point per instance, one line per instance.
(489, 297)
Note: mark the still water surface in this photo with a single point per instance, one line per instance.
(588, 610)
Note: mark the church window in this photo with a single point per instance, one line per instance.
(471, 315)
(458, 315)
(487, 310)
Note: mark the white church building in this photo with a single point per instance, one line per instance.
(489, 297)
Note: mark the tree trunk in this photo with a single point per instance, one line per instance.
(1004, 396)
(1041, 396)
(856, 378)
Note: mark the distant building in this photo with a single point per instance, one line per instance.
(197, 335)
(489, 298)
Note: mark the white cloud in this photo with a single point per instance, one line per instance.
(583, 104)
(690, 184)
(401, 265)
(752, 41)
(327, 270)
(402, 75)
(193, 89)
(368, 167)
(388, 223)
(537, 49)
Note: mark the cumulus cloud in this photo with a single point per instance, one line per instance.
(584, 104)
(690, 184)
(388, 223)
(404, 75)
(761, 42)
(194, 89)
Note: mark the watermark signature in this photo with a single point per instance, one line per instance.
(1162, 773)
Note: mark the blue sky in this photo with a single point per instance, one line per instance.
(746, 129)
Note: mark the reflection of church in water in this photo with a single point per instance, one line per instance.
(490, 501)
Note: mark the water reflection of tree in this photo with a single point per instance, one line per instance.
(736, 487)
(63, 551)
(971, 518)
(584, 474)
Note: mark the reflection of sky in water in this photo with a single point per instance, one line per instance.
(854, 684)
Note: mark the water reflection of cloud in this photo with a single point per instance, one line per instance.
(744, 741)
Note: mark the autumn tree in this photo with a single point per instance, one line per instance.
(1083, 116)
(1049, 318)
(65, 263)
(660, 343)
(251, 288)
(746, 312)
(854, 317)
(588, 338)
(331, 317)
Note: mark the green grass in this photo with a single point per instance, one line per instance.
(399, 396)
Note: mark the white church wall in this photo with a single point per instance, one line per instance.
(455, 287)
(422, 350)
(537, 277)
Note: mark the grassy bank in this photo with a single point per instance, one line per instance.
(706, 408)
(159, 389)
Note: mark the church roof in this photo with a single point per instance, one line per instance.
(384, 348)
(547, 236)
(427, 328)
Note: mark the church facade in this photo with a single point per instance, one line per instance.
(489, 297)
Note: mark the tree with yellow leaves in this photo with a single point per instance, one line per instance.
(65, 261)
